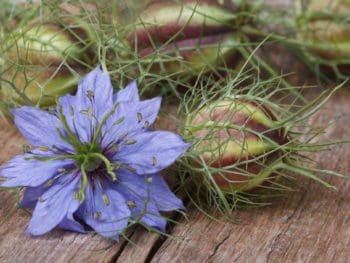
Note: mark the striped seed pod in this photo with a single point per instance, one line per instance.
(45, 60)
(187, 36)
(324, 27)
(237, 142)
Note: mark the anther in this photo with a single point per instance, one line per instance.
(129, 142)
(97, 215)
(49, 183)
(90, 94)
(105, 199)
(116, 147)
(116, 166)
(139, 117)
(43, 148)
(154, 161)
(123, 136)
(129, 168)
(120, 120)
(131, 204)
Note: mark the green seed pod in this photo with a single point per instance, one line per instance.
(44, 60)
(188, 36)
(324, 28)
(238, 140)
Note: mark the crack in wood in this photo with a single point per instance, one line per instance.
(160, 241)
(276, 240)
(218, 246)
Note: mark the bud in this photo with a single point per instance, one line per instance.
(238, 142)
(324, 28)
(44, 60)
(187, 36)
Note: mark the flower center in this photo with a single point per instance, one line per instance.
(89, 156)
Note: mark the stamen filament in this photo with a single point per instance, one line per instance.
(84, 182)
(61, 157)
(73, 138)
(103, 121)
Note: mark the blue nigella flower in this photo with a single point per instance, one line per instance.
(95, 162)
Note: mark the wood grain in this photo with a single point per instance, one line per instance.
(311, 224)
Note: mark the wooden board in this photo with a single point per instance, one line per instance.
(309, 225)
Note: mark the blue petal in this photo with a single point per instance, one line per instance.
(31, 196)
(39, 127)
(144, 210)
(156, 187)
(137, 116)
(149, 111)
(79, 123)
(69, 223)
(129, 93)
(57, 202)
(100, 84)
(21, 172)
(153, 219)
(109, 220)
(162, 196)
(92, 101)
(152, 152)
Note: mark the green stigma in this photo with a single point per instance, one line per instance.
(88, 154)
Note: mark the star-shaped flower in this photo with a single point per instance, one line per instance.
(95, 163)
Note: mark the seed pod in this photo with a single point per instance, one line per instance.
(187, 36)
(44, 60)
(236, 140)
(324, 27)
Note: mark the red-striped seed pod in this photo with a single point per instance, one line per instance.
(237, 141)
(188, 36)
(323, 25)
(45, 59)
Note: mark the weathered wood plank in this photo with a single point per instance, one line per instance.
(310, 225)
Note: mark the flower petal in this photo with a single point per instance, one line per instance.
(99, 83)
(57, 202)
(31, 196)
(141, 205)
(21, 171)
(159, 189)
(39, 127)
(108, 219)
(92, 101)
(135, 116)
(152, 151)
(129, 93)
(153, 185)
(69, 223)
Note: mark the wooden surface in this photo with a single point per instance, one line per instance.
(309, 225)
